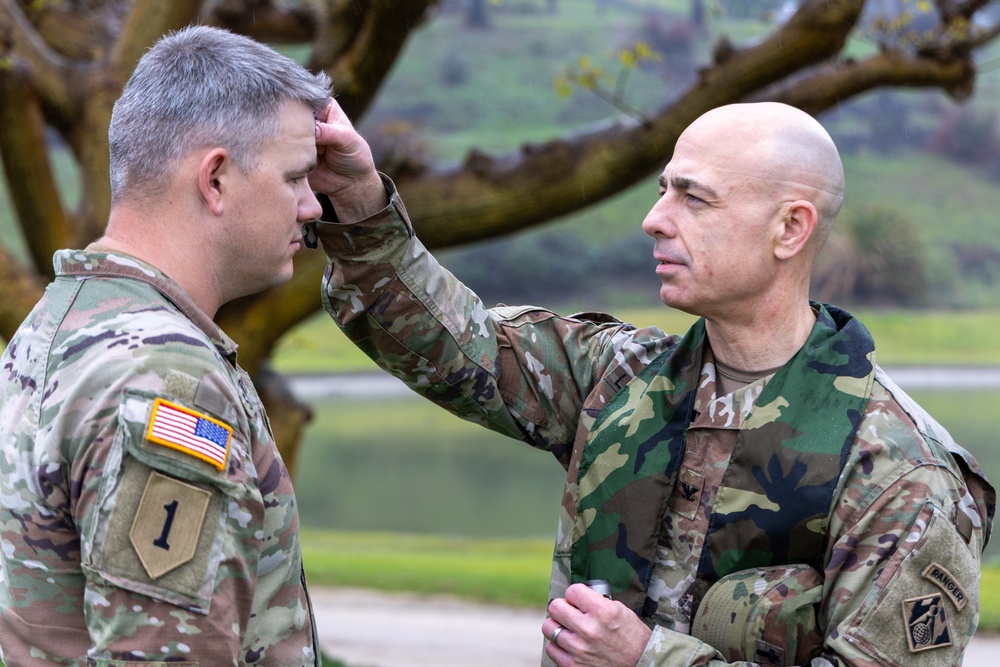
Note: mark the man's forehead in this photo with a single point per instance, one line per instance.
(296, 131)
(722, 174)
(686, 172)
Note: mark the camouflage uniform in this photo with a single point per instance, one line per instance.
(911, 510)
(146, 515)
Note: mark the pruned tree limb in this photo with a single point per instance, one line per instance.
(985, 36)
(826, 87)
(144, 23)
(255, 320)
(266, 20)
(551, 179)
(48, 70)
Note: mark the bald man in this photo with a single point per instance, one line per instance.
(756, 491)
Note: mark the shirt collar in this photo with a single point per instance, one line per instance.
(83, 264)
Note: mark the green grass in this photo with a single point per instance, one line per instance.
(989, 599)
(511, 572)
(903, 338)
(935, 338)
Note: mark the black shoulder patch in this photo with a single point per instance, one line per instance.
(926, 623)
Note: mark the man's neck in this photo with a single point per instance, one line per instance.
(765, 339)
(176, 256)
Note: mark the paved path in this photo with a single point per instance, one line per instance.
(369, 629)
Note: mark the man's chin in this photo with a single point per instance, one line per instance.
(672, 301)
(668, 299)
(264, 283)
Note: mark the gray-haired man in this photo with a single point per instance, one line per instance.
(146, 514)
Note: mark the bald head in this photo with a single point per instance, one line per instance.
(783, 148)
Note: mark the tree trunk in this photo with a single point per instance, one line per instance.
(288, 415)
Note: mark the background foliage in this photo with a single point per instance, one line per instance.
(922, 172)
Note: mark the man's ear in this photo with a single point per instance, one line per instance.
(795, 226)
(213, 170)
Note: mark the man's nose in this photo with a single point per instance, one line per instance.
(658, 220)
(310, 209)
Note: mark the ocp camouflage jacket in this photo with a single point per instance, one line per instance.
(146, 515)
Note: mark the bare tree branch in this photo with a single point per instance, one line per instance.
(266, 21)
(358, 59)
(89, 137)
(830, 85)
(256, 322)
(985, 36)
(553, 179)
(143, 25)
(20, 290)
(49, 70)
(44, 223)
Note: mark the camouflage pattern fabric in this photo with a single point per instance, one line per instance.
(907, 502)
(123, 541)
(773, 504)
(766, 614)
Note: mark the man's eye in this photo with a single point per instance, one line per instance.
(691, 199)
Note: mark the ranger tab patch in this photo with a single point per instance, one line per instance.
(191, 432)
(926, 623)
(947, 582)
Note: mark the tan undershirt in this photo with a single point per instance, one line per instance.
(729, 379)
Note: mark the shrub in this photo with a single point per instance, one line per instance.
(875, 256)
(968, 136)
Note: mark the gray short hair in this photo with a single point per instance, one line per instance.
(201, 87)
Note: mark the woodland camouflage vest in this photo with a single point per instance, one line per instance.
(773, 504)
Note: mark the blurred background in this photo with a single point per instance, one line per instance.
(484, 111)
(916, 251)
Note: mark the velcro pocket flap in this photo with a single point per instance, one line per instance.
(924, 606)
(141, 412)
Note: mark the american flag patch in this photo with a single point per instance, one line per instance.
(191, 432)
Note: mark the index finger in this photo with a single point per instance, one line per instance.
(333, 114)
(584, 598)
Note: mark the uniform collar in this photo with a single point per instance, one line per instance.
(93, 263)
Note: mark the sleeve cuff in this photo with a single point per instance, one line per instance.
(342, 239)
(666, 647)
